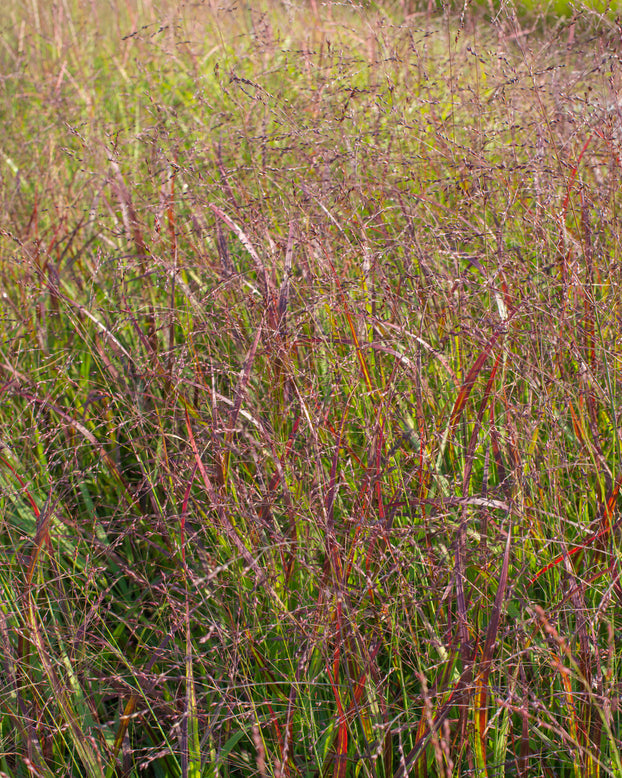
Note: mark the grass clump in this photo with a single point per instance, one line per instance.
(310, 369)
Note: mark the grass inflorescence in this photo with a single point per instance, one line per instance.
(310, 359)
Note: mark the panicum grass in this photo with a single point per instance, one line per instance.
(309, 364)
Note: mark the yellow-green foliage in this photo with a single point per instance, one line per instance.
(562, 8)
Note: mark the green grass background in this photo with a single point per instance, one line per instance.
(309, 379)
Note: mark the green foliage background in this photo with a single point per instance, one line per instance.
(310, 379)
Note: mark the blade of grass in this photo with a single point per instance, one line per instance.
(481, 682)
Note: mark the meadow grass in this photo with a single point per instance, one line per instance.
(310, 370)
